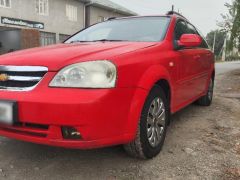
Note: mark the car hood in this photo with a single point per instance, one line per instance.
(57, 56)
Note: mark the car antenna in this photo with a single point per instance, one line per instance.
(172, 12)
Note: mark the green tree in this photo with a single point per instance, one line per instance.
(231, 23)
(220, 37)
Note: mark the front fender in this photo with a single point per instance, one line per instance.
(144, 85)
(153, 75)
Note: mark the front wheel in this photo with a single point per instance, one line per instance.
(152, 126)
(207, 99)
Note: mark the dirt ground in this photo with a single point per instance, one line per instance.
(201, 143)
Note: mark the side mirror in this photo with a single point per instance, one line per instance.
(190, 40)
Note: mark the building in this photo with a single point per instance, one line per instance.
(52, 21)
(100, 10)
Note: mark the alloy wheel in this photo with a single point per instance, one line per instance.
(156, 122)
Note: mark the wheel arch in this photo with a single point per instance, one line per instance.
(155, 75)
(158, 75)
(164, 84)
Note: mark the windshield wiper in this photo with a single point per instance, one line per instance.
(78, 41)
(98, 40)
(108, 40)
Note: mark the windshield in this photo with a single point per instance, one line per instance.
(140, 29)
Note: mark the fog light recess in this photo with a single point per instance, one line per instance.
(71, 133)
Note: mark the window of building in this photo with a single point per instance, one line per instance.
(5, 3)
(42, 7)
(47, 38)
(63, 37)
(71, 12)
(101, 18)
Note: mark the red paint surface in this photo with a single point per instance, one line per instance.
(105, 116)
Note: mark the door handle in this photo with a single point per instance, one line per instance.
(197, 57)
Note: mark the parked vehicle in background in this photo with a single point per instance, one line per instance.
(116, 82)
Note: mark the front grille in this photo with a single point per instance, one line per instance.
(21, 78)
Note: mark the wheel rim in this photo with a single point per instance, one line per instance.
(210, 90)
(156, 122)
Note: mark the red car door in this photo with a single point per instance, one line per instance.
(190, 74)
(188, 64)
(204, 60)
(203, 64)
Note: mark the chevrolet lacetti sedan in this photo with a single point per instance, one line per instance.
(116, 82)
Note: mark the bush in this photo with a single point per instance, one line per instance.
(232, 58)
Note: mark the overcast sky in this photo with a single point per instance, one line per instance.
(204, 14)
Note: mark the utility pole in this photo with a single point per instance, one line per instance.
(214, 41)
(224, 49)
(172, 7)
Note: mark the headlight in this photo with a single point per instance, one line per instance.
(92, 74)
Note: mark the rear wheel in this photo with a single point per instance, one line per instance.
(152, 126)
(207, 99)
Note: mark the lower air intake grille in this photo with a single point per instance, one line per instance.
(21, 78)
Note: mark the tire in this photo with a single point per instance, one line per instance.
(152, 126)
(207, 99)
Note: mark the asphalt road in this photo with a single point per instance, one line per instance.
(227, 66)
(199, 145)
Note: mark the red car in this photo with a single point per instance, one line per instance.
(116, 82)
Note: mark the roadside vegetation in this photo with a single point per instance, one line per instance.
(225, 41)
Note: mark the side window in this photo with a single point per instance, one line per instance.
(180, 29)
(191, 29)
(204, 41)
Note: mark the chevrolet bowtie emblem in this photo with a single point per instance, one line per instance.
(4, 77)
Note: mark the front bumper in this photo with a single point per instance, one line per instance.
(103, 116)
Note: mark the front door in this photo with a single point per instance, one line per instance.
(188, 64)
